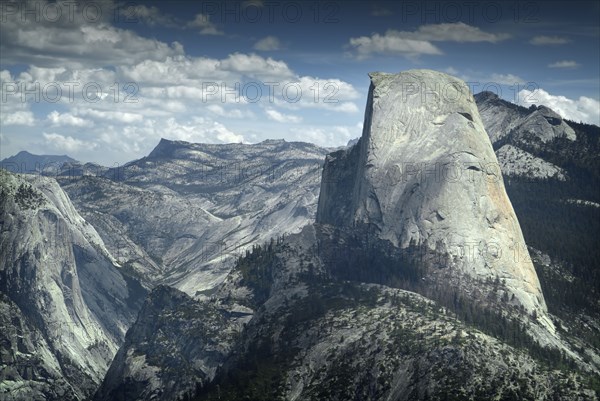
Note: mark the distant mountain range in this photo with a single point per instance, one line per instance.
(25, 162)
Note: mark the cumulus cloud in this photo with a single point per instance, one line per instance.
(451, 71)
(506, 79)
(13, 110)
(224, 135)
(17, 118)
(58, 119)
(564, 64)
(348, 107)
(454, 32)
(548, 40)
(282, 118)
(67, 143)
(391, 44)
(337, 135)
(199, 129)
(256, 66)
(229, 112)
(269, 43)
(237, 77)
(116, 116)
(419, 42)
(170, 93)
(583, 109)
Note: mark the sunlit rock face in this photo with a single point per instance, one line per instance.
(424, 174)
(71, 300)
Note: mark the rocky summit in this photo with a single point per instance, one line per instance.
(424, 173)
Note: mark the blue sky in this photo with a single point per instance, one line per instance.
(246, 71)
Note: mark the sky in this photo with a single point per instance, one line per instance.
(103, 81)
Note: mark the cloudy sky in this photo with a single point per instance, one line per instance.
(103, 81)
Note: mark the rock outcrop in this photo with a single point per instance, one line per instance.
(175, 345)
(424, 174)
(70, 299)
(538, 124)
(515, 162)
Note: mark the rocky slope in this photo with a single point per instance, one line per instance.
(65, 303)
(174, 347)
(515, 162)
(537, 124)
(182, 215)
(519, 135)
(315, 337)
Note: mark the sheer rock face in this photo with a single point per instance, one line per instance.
(425, 173)
(58, 280)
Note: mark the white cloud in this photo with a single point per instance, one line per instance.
(337, 135)
(67, 143)
(17, 118)
(256, 66)
(198, 130)
(192, 71)
(13, 110)
(391, 44)
(224, 135)
(58, 119)
(419, 42)
(139, 139)
(478, 79)
(322, 94)
(269, 43)
(348, 107)
(583, 109)
(282, 118)
(204, 26)
(505, 79)
(229, 113)
(564, 64)
(548, 40)
(116, 116)
(454, 32)
(230, 80)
